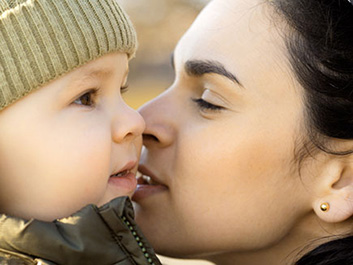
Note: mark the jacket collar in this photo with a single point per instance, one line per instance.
(104, 235)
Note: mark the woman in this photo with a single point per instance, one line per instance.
(248, 155)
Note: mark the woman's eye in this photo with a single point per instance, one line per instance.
(86, 99)
(204, 105)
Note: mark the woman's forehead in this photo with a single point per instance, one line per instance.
(243, 38)
(231, 24)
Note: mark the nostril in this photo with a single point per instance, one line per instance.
(150, 137)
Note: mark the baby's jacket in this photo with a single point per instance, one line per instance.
(106, 235)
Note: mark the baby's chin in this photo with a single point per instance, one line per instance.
(108, 197)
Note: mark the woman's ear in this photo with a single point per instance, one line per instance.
(334, 202)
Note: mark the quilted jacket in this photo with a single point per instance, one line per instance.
(104, 235)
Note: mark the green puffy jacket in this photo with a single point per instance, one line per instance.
(106, 235)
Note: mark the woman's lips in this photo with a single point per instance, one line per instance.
(147, 185)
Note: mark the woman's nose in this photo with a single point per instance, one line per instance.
(160, 123)
(127, 125)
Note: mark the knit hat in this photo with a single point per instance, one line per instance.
(40, 40)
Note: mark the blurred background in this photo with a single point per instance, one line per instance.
(159, 25)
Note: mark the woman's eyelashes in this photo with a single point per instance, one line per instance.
(204, 105)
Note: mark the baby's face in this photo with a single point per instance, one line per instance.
(70, 143)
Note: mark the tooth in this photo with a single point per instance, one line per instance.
(123, 173)
(147, 179)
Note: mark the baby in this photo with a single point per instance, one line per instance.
(67, 139)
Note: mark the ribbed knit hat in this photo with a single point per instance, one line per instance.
(40, 40)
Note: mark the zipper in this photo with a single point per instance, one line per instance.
(138, 240)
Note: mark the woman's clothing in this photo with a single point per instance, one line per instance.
(106, 235)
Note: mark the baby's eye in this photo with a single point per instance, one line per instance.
(124, 88)
(86, 99)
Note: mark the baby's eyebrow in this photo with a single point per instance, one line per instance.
(101, 73)
(87, 76)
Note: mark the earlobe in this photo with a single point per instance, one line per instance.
(335, 204)
(339, 208)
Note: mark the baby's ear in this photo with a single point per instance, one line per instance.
(334, 203)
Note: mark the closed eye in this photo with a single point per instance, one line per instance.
(204, 105)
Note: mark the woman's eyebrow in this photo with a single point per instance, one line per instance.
(201, 67)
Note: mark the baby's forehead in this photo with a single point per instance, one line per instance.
(104, 66)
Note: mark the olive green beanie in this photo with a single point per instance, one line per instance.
(40, 40)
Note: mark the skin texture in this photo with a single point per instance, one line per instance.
(234, 193)
(60, 144)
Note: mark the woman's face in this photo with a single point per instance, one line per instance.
(222, 139)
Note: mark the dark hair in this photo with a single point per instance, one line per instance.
(320, 45)
(335, 252)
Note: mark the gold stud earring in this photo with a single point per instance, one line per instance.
(325, 207)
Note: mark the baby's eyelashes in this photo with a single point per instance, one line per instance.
(124, 88)
(87, 99)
